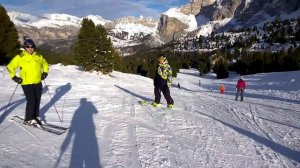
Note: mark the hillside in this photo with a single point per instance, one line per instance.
(109, 128)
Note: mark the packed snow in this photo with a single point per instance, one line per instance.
(109, 128)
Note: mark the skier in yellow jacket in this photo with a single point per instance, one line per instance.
(33, 68)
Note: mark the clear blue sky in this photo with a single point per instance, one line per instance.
(108, 9)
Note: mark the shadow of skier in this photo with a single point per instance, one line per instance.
(10, 108)
(59, 92)
(85, 152)
(134, 94)
(13, 105)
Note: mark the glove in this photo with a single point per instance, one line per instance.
(169, 84)
(44, 75)
(17, 79)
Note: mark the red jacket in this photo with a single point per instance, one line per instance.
(241, 84)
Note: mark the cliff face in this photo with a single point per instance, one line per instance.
(173, 28)
(195, 6)
(170, 27)
(242, 13)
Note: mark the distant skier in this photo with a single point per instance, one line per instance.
(178, 85)
(199, 82)
(240, 89)
(33, 69)
(222, 89)
(162, 82)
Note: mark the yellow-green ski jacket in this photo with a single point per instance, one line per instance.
(31, 67)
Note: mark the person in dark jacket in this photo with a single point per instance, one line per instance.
(162, 82)
(240, 89)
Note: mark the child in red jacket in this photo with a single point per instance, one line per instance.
(240, 89)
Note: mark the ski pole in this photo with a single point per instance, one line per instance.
(53, 102)
(8, 103)
(62, 111)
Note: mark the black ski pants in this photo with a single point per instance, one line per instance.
(241, 93)
(33, 94)
(166, 91)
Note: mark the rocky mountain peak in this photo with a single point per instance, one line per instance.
(194, 6)
(149, 22)
(220, 15)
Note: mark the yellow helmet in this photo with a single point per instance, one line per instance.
(162, 58)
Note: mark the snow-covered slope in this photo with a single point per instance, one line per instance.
(108, 127)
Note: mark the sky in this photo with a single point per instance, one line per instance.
(108, 127)
(108, 9)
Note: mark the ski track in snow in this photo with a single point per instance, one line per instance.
(205, 129)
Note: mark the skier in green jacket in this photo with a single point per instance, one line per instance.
(163, 81)
(33, 68)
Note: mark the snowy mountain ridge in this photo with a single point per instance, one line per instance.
(51, 20)
(52, 29)
(199, 17)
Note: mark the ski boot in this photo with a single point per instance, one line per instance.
(39, 121)
(32, 122)
(154, 104)
(170, 106)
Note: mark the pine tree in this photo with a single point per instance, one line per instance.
(104, 58)
(84, 49)
(221, 68)
(256, 65)
(8, 38)
(94, 50)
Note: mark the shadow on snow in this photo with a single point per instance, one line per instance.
(134, 94)
(85, 151)
(278, 148)
(59, 93)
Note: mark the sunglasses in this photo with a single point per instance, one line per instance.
(29, 47)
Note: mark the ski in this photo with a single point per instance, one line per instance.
(26, 130)
(49, 125)
(20, 120)
(145, 102)
(54, 126)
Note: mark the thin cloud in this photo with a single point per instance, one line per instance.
(108, 9)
